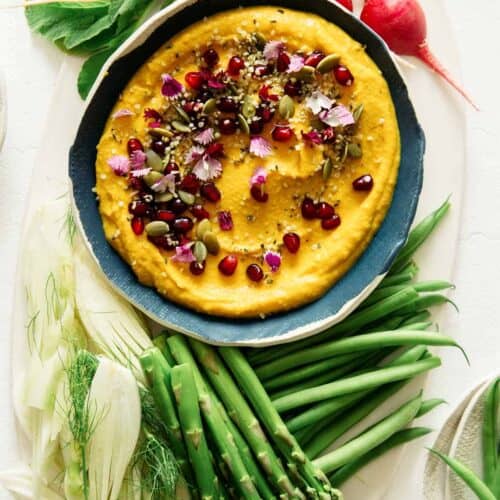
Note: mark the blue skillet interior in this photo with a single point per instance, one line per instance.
(375, 260)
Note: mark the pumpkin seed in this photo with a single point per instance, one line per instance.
(161, 132)
(328, 63)
(260, 40)
(182, 114)
(354, 150)
(358, 111)
(157, 228)
(210, 106)
(203, 227)
(306, 73)
(180, 127)
(200, 251)
(286, 107)
(163, 197)
(211, 242)
(327, 168)
(243, 124)
(186, 197)
(248, 107)
(154, 161)
(152, 178)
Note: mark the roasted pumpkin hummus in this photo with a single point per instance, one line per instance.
(249, 162)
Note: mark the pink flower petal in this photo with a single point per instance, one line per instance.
(272, 50)
(259, 176)
(273, 260)
(141, 172)
(154, 124)
(171, 87)
(166, 183)
(121, 113)
(337, 116)
(213, 83)
(312, 137)
(184, 253)
(207, 168)
(259, 146)
(119, 164)
(150, 113)
(225, 220)
(205, 137)
(317, 102)
(137, 159)
(296, 64)
(195, 153)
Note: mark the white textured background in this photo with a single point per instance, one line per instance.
(30, 67)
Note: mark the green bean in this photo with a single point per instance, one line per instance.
(328, 436)
(357, 343)
(468, 477)
(428, 406)
(371, 438)
(418, 235)
(425, 302)
(415, 318)
(340, 476)
(353, 323)
(399, 279)
(355, 384)
(491, 436)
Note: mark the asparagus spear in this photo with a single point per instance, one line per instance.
(253, 389)
(158, 372)
(241, 414)
(217, 428)
(184, 389)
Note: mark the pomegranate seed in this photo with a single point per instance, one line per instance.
(165, 215)
(227, 126)
(165, 242)
(292, 242)
(308, 208)
(328, 135)
(228, 105)
(228, 265)
(363, 183)
(158, 147)
(192, 107)
(195, 79)
(200, 212)
(343, 75)
(210, 192)
(139, 207)
(256, 126)
(314, 58)
(235, 65)
(152, 114)
(331, 223)
(258, 194)
(171, 167)
(183, 225)
(265, 113)
(215, 150)
(210, 57)
(177, 206)
(134, 144)
(324, 210)
(261, 70)
(283, 62)
(190, 183)
(197, 268)
(282, 133)
(293, 89)
(136, 183)
(137, 225)
(255, 272)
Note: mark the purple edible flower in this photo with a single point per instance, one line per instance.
(171, 87)
(273, 260)
(184, 253)
(225, 220)
(259, 146)
(119, 164)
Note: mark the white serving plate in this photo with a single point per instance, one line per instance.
(444, 172)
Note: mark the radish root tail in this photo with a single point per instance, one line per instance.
(425, 55)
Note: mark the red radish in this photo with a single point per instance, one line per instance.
(346, 3)
(402, 24)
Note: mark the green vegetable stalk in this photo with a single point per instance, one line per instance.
(185, 392)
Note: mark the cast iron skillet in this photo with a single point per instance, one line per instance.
(343, 297)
